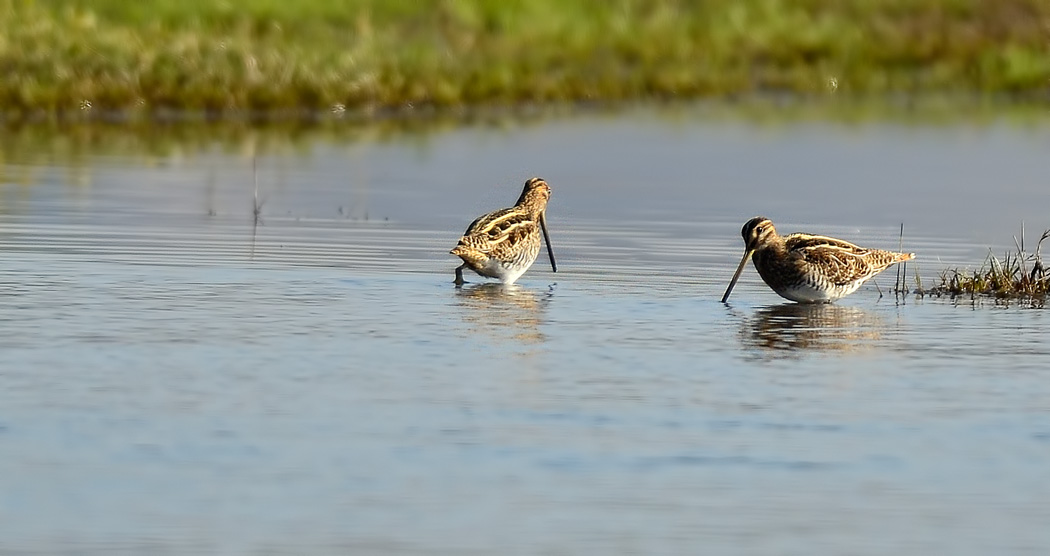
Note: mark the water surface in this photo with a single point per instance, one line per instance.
(177, 377)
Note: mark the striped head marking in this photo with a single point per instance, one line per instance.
(535, 194)
(757, 231)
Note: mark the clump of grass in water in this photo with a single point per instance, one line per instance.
(1018, 275)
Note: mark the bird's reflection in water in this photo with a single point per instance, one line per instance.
(796, 327)
(504, 312)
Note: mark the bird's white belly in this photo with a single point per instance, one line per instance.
(495, 269)
(811, 293)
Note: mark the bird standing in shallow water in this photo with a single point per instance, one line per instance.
(808, 268)
(504, 243)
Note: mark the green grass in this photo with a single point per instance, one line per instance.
(276, 58)
(1018, 275)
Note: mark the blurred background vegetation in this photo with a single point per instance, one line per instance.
(121, 59)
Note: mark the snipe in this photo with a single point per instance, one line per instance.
(809, 268)
(504, 243)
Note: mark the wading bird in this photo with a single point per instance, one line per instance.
(808, 268)
(504, 243)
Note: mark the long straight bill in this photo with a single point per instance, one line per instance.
(736, 275)
(547, 239)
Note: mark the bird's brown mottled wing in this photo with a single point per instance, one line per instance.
(841, 262)
(485, 222)
(497, 233)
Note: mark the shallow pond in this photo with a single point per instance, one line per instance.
(178, 378)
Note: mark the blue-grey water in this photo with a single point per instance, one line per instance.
(175, 379)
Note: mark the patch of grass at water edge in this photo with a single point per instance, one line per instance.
(92, 58)
(1018, 275)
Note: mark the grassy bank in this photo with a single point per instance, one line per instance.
(366, 56)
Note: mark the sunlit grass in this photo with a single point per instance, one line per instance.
(268, 57)
(1018, 274)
